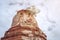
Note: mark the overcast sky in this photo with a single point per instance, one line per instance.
(48, 19)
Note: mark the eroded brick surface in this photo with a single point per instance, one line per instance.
(24, 27)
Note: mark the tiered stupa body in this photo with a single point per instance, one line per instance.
(24, 27)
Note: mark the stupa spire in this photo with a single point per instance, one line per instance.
(24, 27)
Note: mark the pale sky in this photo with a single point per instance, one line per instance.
(48, 19)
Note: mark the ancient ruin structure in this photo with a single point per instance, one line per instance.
(24, 27)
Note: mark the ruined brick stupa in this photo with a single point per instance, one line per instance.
(24, 27)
